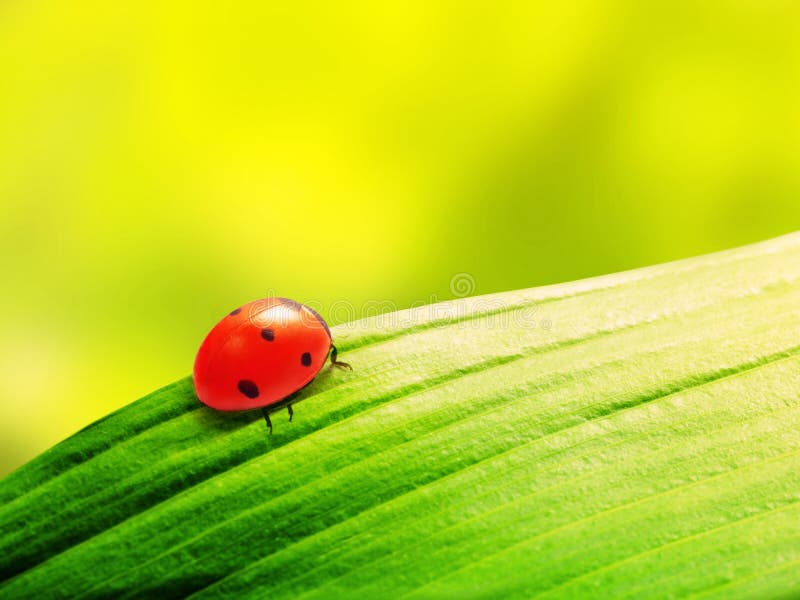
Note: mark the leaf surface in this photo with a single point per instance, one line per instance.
(633, 435)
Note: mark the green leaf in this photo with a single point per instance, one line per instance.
(635, 435)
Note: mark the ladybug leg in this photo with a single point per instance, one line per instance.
(291, 412)
(338, 363)
(266, 418)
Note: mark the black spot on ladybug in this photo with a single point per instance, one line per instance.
(268, 334)
(236, 311)
(248, 388)
(306, 359)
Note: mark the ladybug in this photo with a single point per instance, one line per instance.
(261, 355)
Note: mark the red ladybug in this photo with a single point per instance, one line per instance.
(261, 354)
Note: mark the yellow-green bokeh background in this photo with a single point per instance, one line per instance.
(162, 162)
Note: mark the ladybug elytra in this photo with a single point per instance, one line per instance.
(262, 354)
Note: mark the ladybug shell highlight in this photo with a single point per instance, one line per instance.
(260, 353)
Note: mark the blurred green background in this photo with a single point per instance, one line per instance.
(161, 163)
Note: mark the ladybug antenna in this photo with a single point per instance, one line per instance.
(338, 363)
